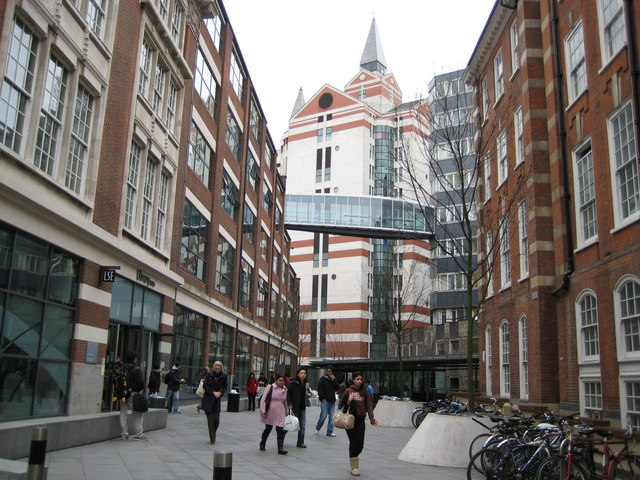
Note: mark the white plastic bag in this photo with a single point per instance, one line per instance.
(291, 423)
(200, 389)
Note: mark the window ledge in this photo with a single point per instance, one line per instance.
(515, 72)
(495, 104)
(129, 234)
(606, 62)
(584, 245)
(625, 223)
(583, 93)
(523, 279)
(507, 286)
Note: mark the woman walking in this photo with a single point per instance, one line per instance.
(215, 386)
(273, 410)
(252, 389)
(359, 405)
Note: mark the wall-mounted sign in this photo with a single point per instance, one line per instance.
(108, 273)
(92, 353)
(145, 279)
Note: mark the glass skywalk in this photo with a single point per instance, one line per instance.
(362, 216)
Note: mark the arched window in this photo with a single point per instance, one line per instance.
(488, 360)
(627, 314)
(505, 367)
(523, 352)
(587, 327)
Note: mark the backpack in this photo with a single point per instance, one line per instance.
(167, 377)
(119, 381)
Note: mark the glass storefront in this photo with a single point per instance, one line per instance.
(188, 346)
(220, 343)
(38, 292)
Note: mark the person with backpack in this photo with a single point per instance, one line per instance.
(128, 381)
(173, 381)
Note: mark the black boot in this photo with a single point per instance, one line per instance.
(281, 433)
(263, 442)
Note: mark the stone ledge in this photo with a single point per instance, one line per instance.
(70, 431)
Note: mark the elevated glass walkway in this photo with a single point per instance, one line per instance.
(358, 216)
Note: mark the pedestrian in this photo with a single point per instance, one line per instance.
(154, 379)
(327, 388)
(215, 386)
(359, 404)
(173, 381)
(297, 398)
(367, 384)
(205, 370)
(273, 410)
(252, 390)
(135, 383)
(262, 380)
(273, 378)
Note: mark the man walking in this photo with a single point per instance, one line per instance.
(135, 383)
(327, 387)
(173, 381)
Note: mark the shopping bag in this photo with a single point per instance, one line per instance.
(200, 389)
(291, 423)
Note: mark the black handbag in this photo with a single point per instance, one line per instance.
(140, 403)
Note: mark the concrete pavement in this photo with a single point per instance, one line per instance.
(182, 451)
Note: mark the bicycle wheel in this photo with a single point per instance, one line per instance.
(488, 462)
(557, 468)
(478, 443)
(414, 415)
(420, 418)
(626, 468)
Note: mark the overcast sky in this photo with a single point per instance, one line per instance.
(288, 44)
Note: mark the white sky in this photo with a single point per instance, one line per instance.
(288, 44)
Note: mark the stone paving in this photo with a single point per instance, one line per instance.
(182, 451)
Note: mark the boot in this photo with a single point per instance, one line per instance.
(355, 466)
(263, 442)
(281, 433)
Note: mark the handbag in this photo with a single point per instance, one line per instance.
(291, 423)
(200, 389)
(343, 419)
(140, 403)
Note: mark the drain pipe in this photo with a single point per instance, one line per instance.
(633, 67)
(563, 151)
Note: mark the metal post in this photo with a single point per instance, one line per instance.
(222, 462)
(37, 454)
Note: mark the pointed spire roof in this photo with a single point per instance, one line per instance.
(373, 57)
(299, 103)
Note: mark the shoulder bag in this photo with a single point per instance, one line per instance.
(140, 403)
(200, 389)
(343, 419)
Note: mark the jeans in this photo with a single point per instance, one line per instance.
(326, 408)
(302, 418)
(173, 401)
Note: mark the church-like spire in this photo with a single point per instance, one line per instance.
(299, 103)
(373, 56)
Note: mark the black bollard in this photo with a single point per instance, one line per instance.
(222, 462)
(37, 454)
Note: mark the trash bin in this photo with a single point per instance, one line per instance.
(233, 402)
(157, 402)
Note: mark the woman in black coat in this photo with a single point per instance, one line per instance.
(215, 386)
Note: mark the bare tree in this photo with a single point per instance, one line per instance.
(446, 164)
(285, 327)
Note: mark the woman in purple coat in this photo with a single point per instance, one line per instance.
(273, 410)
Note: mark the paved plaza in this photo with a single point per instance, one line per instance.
(182, 451)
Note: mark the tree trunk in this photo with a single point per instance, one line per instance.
(471, 386)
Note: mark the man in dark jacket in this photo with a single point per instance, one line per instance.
(173, 381)
(135, 383)
(297, 400)
(327, 387)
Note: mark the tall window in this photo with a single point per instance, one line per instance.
(584, 180)
(233, 136)
(490, 257)
(587, 315)
(624, 159)
(252, 170)
(261, 302)
(246, 277)
(632, 397)
(148, 196)
(145, 68)
(205, 83)
(95, 15)
(592, 398)
(487, 176)
(505, 372)
(576, 65)
(236, 75)
(485, 99)
(172, 101)
(51, 117)
(224, 267)
(518, 129)
(18, 84)
(214, 27)
(132, 185)
(524, 357)
(158, 88)
(498, 75)
(79, 143)
(254, 119)
(488, 360)
(229, 195)
(200, 153)
(501, 149)
(266, 199)
(612, 29)
(195, 231)
(176, 22)
(161, 216)
(523, 239)
(248, 222)
(505, 253)
(628, 295)
(514, 38)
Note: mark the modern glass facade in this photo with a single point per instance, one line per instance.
(38, 292)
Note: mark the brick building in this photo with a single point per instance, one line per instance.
(140, 206)
(556, 95)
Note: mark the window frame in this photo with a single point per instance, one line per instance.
(585, 194)
(518, 133)
(523, 354)
(623, 354)
(581, 328)
(575, 59)
(523, 239)
(498, 75)
(514, 42)
(606, 53)
(505, 360)
(225, 260)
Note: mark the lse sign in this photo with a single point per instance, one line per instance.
(108, 274)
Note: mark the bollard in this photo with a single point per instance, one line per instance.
(222, 462)
(37, 454)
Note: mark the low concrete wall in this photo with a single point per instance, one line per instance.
(395, 414)
(70, 431)
(442, 440)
